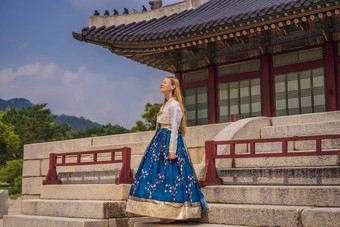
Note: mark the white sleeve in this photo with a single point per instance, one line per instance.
(175, 115)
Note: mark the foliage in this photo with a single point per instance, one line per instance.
(150, 118)
(98, 131)
(9, 143)
(34, 124)
(11, 173)
(140, 127)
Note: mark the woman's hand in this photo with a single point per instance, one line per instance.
(172, 156)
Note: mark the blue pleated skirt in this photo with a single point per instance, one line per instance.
(166, 188)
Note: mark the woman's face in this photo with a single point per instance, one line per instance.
(166, 86)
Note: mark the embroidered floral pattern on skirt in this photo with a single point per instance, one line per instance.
(166, 188)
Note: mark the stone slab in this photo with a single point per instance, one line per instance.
(43, 221)
(325, 217)
(129, 222)
(324, 196)
(184, 224)
(31, 185)
(296, 161)
(74, 208)
(137, 148)
(31, 168)
(306, 118)
(329, 144)
(272, 147)
(44, 166)
(3, 203)
(253, 215)
(282, 176)
(24, 197)
(43, 150)
(197, 135)
(110, 192)
(306, 129)
(243, 129)
(123, 138)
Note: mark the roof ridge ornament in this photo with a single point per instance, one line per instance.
(155, 4)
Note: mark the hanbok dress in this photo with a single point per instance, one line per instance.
(166, 188)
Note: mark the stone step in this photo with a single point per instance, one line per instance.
(281, 176)
(322, 196)
(43, 221)
(296, 146)
(74, 208)
(178, 224)
(111, 192)
(306, 129)
(288, 161)
(270, 215)
(306, 118)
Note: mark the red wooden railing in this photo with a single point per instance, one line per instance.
(210, 176)
(125, 176)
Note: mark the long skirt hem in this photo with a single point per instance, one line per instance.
(166, 210)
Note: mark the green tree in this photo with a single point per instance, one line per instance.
(98, 131)
(140, 127)
(11, 173)
(34, 124)
(9, 143)
(150, 118)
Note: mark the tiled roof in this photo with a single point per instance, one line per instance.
(211, 14)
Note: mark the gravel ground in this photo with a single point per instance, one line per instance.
(14, 207)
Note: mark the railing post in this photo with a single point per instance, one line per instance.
(125, 176)
(284, 147)
(210, 176)
(232, 150)
(52, 177)
(318, 146)
(252, 148)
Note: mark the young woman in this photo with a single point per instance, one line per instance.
(165, 185)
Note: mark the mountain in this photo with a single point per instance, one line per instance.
(76, 123)
(17, 103)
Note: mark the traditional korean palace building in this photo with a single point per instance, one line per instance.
(235, 58)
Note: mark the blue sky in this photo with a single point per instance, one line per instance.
(40, 61)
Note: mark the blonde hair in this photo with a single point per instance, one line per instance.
(177, 95)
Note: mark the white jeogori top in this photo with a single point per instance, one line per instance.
(171, 114)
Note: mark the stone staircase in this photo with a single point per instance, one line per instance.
(271, 205)
(267, 191)
(83, 205)
(281, 191)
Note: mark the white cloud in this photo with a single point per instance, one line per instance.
(115, 100)
(8, 74)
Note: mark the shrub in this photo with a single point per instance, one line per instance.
(11, 173)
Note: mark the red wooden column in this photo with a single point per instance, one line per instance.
(178, 76)
(330, 76)
(337, 72)
(212, 89)
(267, 99)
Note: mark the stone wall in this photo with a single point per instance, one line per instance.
(36, 156)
